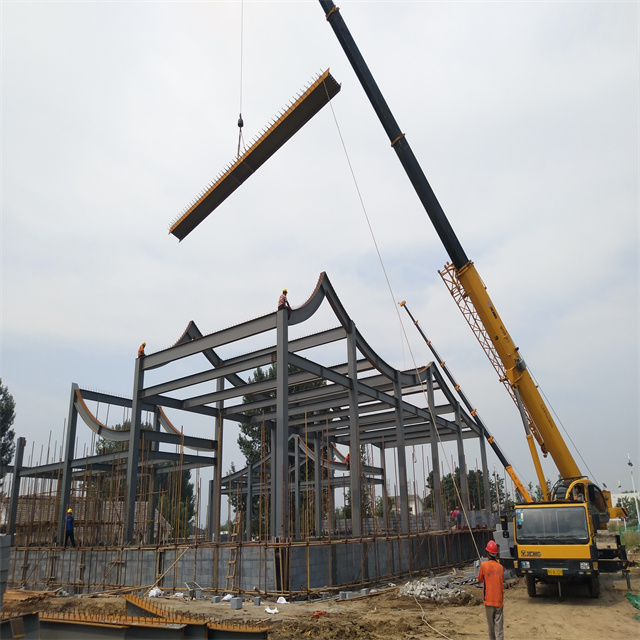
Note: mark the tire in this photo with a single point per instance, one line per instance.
(594, 586)
(531, 585)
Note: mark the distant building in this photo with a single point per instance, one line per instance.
(416, 504)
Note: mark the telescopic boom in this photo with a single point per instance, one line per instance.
(467, 280)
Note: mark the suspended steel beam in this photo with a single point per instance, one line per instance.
(292, 120)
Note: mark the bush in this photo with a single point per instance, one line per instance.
(630, 538)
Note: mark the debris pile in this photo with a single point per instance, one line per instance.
(438, 590)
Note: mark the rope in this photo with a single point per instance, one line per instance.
(393, 300)
(560, 422)
(428, 625)
(453, 478)
(240, 120)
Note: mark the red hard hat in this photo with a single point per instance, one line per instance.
(492, 548)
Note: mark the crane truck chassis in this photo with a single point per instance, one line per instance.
(560, 541)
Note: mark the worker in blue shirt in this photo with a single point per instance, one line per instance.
(68, 529)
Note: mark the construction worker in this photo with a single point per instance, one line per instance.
(348, 461)
(68, 529)
(141, 350)
(283, 303)
(492, 575)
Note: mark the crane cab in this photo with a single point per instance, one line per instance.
(583, 490)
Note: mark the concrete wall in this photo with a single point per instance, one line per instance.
(5, 547)
(83, 570)
(361, 562)
(265, 567)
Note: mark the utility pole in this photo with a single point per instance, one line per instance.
(633, 488)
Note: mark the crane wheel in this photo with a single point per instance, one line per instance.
(594, 586)
(531, 585)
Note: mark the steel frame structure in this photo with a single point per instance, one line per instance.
(362, 401)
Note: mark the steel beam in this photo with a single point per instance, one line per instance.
(275, 136)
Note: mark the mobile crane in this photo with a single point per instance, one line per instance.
(563, 538)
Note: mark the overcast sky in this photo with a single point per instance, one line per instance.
(523, 115)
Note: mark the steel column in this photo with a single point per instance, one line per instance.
(249, 508)
(280, 456)
(462, 464)
(402, 459)
(15, 489)
(153, 496)
(65, 489)
(317, 477)
(354, 433)
(385, 494)
(296, 491)
(133, 453)
(485, 475)
(214, 510)
(435, 458)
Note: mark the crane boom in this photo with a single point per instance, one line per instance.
(474, 413)
(519, 378)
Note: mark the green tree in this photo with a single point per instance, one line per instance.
(379, 510)
(367, 508)
(179, 513)
(7, 435)
(254, 441)
(106, 446)
(499, 496)
(252, 438)
(449, 493)
(475, 480)
(630, 505)
(450, 490)
(536, 492)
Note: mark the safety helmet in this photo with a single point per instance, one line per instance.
(284, 291)
(144, 344)
(69, 511)
(492, 548)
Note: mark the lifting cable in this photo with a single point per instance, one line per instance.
(406, 337)
(240, 121)
(560, 423)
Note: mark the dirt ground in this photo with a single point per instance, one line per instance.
(385, 615)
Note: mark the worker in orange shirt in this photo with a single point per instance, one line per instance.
(141, 350)
(491, 574)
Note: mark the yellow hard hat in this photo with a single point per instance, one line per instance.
(284, 291)
(69, 511)
(144, 344)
